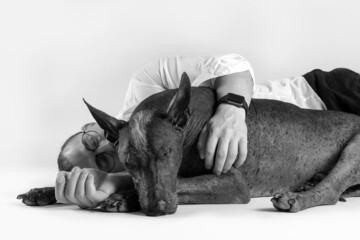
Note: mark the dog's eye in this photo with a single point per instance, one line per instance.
(116, 144)
(129, 166)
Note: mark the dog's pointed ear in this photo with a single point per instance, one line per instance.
(178, 109)
(109, 124)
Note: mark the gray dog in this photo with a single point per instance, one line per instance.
(304, 158)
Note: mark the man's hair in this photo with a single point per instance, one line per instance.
(68, 140)
(64, 163)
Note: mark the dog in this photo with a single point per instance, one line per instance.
(303, 158)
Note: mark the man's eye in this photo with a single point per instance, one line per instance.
(90, 142)
(105, 162)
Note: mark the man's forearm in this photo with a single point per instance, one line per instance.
(223, 141)
(121, 181)
(240, 83)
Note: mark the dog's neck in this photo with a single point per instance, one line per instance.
(202, 107)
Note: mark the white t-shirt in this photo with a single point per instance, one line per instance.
(166, 74)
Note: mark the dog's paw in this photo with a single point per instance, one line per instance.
(121, 202)
(287, 202)
(39, 197)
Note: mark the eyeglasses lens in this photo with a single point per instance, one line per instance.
(91, 140)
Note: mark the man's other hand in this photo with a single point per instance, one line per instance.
(83, 187)
(223, 140)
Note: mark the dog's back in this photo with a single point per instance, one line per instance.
(288, 145)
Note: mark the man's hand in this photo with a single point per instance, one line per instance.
(83, 187)
(224, 139)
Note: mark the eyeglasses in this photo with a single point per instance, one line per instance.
(104, 160)
(91, 140)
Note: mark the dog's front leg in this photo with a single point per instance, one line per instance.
(39, 196)
(213, 189)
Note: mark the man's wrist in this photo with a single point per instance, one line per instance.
(234, 100)
(226, 107)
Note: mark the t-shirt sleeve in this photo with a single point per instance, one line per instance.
(166, 74)
(144, 83)
(218, 66)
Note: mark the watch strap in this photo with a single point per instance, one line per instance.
(235, 100)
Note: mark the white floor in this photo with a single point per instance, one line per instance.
(257, 220)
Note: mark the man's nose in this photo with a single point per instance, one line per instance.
(104, 146)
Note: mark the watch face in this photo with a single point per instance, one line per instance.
(236, 100)
(233, 98)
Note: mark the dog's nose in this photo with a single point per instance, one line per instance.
(158, 209)
(161, 205)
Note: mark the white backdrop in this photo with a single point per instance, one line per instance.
(53, 53)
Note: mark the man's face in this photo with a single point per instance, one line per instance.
(90, 149)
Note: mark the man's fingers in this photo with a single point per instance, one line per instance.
(201, 144)
(90, 189)
(210, 151)
(242, 153)
(80, 192)
(231, 156)
(221, 153)
(60, 188)
(71, 186)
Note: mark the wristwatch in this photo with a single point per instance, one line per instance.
(236, 100)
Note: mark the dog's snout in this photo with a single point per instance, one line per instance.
(158, 209)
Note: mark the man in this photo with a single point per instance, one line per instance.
(223, 141)
(227, 73)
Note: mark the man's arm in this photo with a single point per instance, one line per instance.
(87, 187)
(240, 83)
(223, 141)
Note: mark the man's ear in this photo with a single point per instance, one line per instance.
(178, 109)
(109, 124)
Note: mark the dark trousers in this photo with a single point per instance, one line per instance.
(339, 89)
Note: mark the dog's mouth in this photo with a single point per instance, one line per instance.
(158, 212)
(159, 206)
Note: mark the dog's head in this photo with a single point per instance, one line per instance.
(151, 147)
